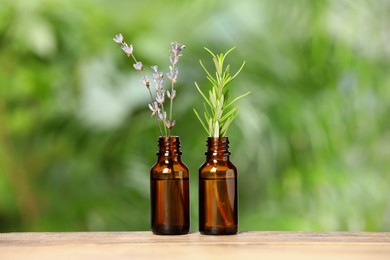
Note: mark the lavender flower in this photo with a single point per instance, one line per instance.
(173, 59)
(154, 107)
(170, 123)
(157, 98)
(172, 75)
(157, 74)
(158, 78)
(138, 66)
(118, 38)
(171, 96)
(145, 81)
(162, 115)
(128, 49)
(176, 49)
(160, 97)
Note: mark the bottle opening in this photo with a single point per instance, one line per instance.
(169, 145)
(217, 146)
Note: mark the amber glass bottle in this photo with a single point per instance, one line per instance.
(218, 212)
(169, 190)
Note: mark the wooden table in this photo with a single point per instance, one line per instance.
(145, 245)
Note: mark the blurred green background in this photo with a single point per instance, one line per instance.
(312, 141)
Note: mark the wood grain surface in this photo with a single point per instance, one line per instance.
(245, 245)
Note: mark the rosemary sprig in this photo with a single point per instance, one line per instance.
(219, 112)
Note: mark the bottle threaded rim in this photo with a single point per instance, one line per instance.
(169, 145)
(218, 146)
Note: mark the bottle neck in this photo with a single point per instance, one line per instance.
(218, 148)
(169, 147)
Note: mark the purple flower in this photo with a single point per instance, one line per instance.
(154, 108)
(138, 66)
(177, 48)
(170, 123)
(173, 58)
(172, 75)
(158, 78)
(162, 116)
(160, 97)
(118, 38)
(157, 75)
(145, 81)
(128, 49)
(171, 96)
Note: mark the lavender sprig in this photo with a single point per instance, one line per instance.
(175, 54)
(157, 104)
(128, 49)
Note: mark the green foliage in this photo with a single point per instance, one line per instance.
(217, 116)
(311, 142)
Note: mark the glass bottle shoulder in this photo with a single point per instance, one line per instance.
(166, 168)
(216, 168)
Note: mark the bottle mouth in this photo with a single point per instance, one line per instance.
(220, 139)
(169, 145)
(166, 137)
(218, 146)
